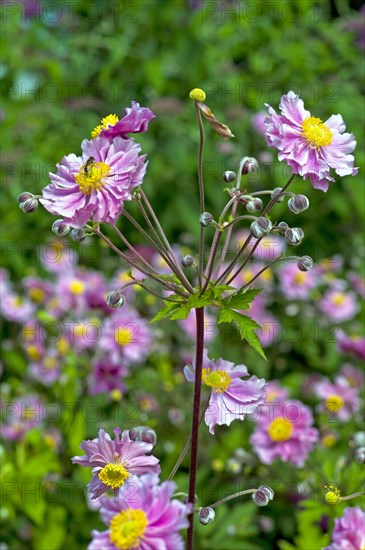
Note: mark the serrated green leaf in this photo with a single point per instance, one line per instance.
(165, 312)
(242, 298)
(246, 327)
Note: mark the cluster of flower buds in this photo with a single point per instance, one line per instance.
(144, 434)
(27, 202)
(260, 227)
(60, 228)
(263, 495)
(206, 515)
(298, 203)
(115, 299)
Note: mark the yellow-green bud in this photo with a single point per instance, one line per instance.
(197, 94)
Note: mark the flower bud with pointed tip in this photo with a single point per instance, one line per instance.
(229, 176)
(206, 515)
(24, 196)
(250, 166)
(277, 192)
(254, 206)
(29, 206)
(143, 434)
(305, 263)
(294, 236)
(262, 226)
(60, 228)
(188, 261)
(206, 219)
(77, 235)
(298, 204)
(115, 299)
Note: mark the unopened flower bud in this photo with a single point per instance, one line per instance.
(206, 515)
(60, 228)
(188, 261)
(262, 226)
(254, 206)
(298, 204)
(294, 236)
(229, 176)
(115, 299)
(251, 165)
(29, 206)
(144, 434)
(24, 197)
(358, 439)
(333, 494)
(360, 455)
(197, 94)
(263, 495)
(277, 192)
(283, 226)
(206, 219)
(305, 263)
(77, 235)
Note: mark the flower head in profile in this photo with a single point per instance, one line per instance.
(142, 516)
(349, 531)
(231, 398)
(113, 462)
(95, 185)
(284, 430)
(308, 145)
(134, 122)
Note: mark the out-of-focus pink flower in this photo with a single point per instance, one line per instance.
(309, 146)
(258, 121)
(354, 345)
(349, 531)
(20, 415)
(296, 284)
(338, 305)
(341, 400)
(189, 326)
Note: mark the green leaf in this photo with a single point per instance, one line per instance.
(246, 327)
(165, 312)
(242, 298)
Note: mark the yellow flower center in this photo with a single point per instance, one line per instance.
(334, 403)
(300, 278)
(77, 287)
(328, 440)
(113, 475)
(62, 346)
(127, 528)
(338, 298)
(33, 352)
(316, 132)
(219, 380)
(91, 176)
(123, 336)
(107, 121)
(50, 363)
(116, 394)
(280, 429)
(37, 294)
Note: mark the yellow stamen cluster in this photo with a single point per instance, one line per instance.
(77, 287)
(280, 429)
(107, 121)
(123, 336)
(338, 298)
(33, 352)
(127, 528)
(333, 494)
(334, 403)
(37, 294)
(197, 94)
(91, 176)
(300, 278)
(219, 380)
(316, 132)
(113, 475)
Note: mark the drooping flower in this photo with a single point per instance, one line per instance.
(143, 516)
(308, 145)
(95, 185)
(340, 399)
(114, 461)
(351, 344)
(134, 122)
(284, 430)
(349, 531)
(231, 398)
